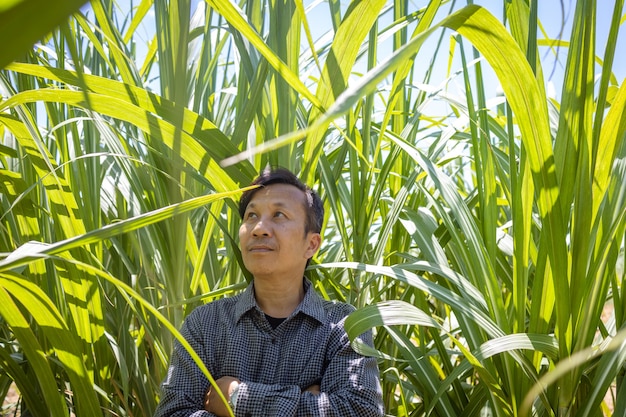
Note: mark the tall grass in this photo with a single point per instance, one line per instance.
(480, 234)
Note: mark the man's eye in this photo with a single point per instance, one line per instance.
(279, 214)
(251, 216)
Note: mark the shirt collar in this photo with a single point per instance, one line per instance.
(312, 305)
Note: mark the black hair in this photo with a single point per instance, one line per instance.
(313, 207)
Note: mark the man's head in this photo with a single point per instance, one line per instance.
(313, 204)
(281, 221)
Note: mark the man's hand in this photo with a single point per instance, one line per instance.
(213, 403)
(314, 389)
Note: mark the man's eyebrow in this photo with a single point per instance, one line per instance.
(274, 204)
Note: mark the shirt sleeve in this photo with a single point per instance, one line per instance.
(349, 387)
(184, 388)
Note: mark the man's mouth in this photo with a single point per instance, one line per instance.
(260, 248)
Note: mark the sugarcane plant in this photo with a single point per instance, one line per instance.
(478, 230)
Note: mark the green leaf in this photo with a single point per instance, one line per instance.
(200, 138)
(389, 313)
(123, 226)
(28, 21)
(64, 342)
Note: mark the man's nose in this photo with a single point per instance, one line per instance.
(261, 228)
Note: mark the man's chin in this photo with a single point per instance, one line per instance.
(260, 270)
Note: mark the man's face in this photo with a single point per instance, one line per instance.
(272, 238)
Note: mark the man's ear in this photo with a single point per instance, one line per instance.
(315, 241)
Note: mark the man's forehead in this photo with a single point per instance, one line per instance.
(279, 194)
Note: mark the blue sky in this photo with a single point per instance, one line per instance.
(554, 15)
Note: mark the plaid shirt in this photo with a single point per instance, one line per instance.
(275, 366)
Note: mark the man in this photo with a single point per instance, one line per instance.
(278, 348)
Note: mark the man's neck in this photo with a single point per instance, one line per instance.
(278, 298)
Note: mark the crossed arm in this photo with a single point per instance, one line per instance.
(349, 386)
(213, 403)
